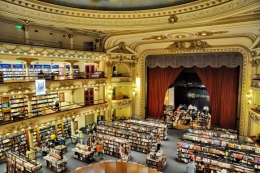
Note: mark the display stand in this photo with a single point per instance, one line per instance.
(16, 163)
(83, 153)
(61, 148)
(55, 161)
(156, 160)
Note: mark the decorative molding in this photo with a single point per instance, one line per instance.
(19, 126)
(28, 60)
(125, 79)
(121, 48)
(209, 33)
(255, 83)
(19, 88)
(100, 82)
(67, 115)
(122, 102)
(156, 37)
(100, 108)
(188, 45)
(172, 19)
(72, 62)
(254, 116)
(65, 84)
(84, 82)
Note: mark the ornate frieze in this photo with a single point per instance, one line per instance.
(121, 102)
(65, 84)
(255, 83)
(19, 126)
(156, 37)
(209, 33)
(188, 45)
(67, 115)
(124, 80)
(173, 18)
(100, 82)
(254, 116)
(121, 49)
(18, 88)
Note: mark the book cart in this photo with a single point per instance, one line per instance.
(156, 160)
(111, 144)
(83, 153)
(140, 142)
(220, 152)
(19, 163)
(55, 160)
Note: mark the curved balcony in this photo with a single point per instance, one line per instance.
(254, 116)
(66, 112)
(121, 103)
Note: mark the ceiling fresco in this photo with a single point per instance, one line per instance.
(118, 5)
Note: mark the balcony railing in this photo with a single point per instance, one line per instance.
(43, 43)
(49, 110)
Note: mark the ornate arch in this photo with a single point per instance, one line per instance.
(244, 85)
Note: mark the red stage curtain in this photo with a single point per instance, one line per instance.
(159, 79)
(222, 86)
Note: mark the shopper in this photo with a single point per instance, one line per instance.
(99, 150)
(191, 168)
(121, 151)
(158, 139)
(44, 150)
(201, 168)
(223, 170)
(94, 146)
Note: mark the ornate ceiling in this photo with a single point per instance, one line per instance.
(117, 5)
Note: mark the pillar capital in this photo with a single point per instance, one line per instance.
(29, 96)
(28, 60)
(72, 91)
(72, 62)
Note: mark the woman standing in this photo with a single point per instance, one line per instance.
(121, 151)
(158, 139)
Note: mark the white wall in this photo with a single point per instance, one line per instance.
(81, 121)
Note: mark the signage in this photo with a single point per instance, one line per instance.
(47, 66)
(17, 65)
(194, 96)
(40, 87)
(68, 66)
(37, 66)
(55, 66)
(5, 65)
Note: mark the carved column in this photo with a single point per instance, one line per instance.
(26, 34)
(28, 63)
(30, 139)
(72, 62)
(29, 104)
(109, 97)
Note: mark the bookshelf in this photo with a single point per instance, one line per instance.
(59, 130)
(18, 163)
(219, 152)
(111, 144)
(55, 160)
(35, 141)
(66, 128)
(18, 104)
(83, 153)
(44, 133)
(140, 142)
(1, 114)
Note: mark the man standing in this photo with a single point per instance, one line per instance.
(191, 168)
(99, 150)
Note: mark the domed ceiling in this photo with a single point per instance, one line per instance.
(118, 5)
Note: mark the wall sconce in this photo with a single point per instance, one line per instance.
(110, 92)
(249, 97)
(134, 90)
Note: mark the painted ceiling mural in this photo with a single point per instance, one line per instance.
(118, 5)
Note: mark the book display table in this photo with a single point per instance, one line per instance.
(83, 153)
(61, 148)
(55, 161)
(156, 160)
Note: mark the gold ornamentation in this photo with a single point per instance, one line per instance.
(121, 48)
(28, 60)
(173, 18)
(188, 45)
(72, 62)
(67, 115)
(209, 33)
(19, 88)
(84, 82)
(124, 102)
(109, 63)
(156, 37)
(19, 126)
(48, 85)
(124, 80)
(100, 82)
(254, 116)
(121, 57)
(100, 108)
(66, 84)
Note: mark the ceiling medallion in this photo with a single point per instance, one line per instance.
(209, 33)
(188, 45)
(156, 37)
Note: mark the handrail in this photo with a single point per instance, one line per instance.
(43, 43)
(69, 106)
